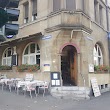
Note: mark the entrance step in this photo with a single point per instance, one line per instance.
(73, 92)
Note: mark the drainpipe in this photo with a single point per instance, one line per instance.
(72, 34)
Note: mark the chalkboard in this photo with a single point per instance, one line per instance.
(14, 60)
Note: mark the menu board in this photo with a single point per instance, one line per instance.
(55, 79)
(95, 87)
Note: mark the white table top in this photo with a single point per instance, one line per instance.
(28, 83)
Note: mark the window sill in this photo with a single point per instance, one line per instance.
(101, 72)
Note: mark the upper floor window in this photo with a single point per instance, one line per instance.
(6, 58)
(95, 10)
(31, 54)
(56, 5)
(83, 2)
(70, 4)
(26, 12)
(100, 14)
(98, 57)
(34, 10)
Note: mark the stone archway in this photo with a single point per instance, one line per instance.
(69, 65)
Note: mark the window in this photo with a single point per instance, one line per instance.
(95, 10)
(26, 11)
(98, 57)
(6, 59)
(31, 54)
(83, 5)
(70, 4)
(98, 12)
(100, 15)
(34, 10)
(56, 5)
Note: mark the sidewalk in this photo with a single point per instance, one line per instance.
(12, 101)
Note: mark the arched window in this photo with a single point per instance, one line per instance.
(98, 57)
(31, 54)
(6, 58)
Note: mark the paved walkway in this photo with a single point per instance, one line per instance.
(12, 101)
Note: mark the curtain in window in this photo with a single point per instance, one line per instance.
(70, 4)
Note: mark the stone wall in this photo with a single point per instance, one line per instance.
(37, 75)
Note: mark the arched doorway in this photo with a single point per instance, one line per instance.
(69, 65)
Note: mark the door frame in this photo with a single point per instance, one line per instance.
(77, 52)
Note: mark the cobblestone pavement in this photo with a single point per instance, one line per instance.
(12, 101)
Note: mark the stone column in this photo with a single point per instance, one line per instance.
(30, 10)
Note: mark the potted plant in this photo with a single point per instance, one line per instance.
(29, 68)
(101, 68)
(5, 67)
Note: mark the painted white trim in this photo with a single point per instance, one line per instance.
(6, 58)
(30, 54)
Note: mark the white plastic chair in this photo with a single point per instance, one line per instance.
(44, 86)
(11, 84)
(30, 88)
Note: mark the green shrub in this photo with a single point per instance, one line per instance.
(101, 68)
(5, 67)
(29, 68)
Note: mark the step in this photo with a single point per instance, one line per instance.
(70, 92)
(70, 96)
(55, 89)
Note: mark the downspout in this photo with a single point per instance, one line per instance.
(72, 34)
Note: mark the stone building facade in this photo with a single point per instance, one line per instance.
(71, 36)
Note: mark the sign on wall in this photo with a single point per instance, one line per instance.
(46, 67)
(55, 79)
(95, 87)
(46, 37)
(91, 68)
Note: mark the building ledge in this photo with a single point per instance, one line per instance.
(69, 27)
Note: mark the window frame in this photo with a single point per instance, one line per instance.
(26, 16)
(7, 58)
(34, 11)
(97, 49)
(29, 55)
